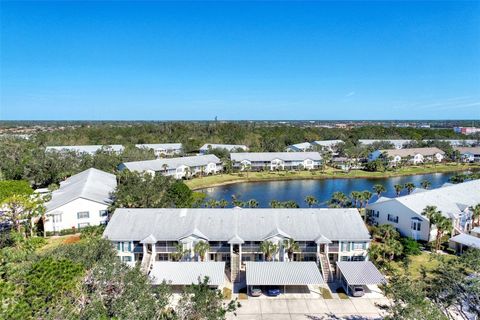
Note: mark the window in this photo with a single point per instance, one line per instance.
(392, 218)
(358, 245)
(416, 225)
(83, 215)
(103, 213)
(358, 258)
(345, 258)
(83, 225)
(126, 247)
(127, 259)
(57, 218)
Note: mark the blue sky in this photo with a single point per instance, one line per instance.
(239, 60)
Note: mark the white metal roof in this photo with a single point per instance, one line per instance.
(468, 150)
(301, 146)
(269, 156)
(223, 224)
(476, 230)
(91, 149)
(171, 163)
(187, 273)
(360, 272)
(412, 152)
(228, 147)
(91, 184)
(283, 273)
(327, 143)
(160, 146)
(467, 240)
(451, 200)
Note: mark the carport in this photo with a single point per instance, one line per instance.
(358, 273)
(282, 274)
(187, 273)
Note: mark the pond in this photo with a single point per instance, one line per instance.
(322, 190)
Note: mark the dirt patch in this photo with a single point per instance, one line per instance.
(72, 239)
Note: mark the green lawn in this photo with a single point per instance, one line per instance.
(424, 260)
(216, 180)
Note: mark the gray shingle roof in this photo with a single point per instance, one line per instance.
(283, 273)
(228, 147)
(222, 224)
(91, 184)
(186, 273)
(467, 240)
(360, 272)
(269, 156)
(172, 163)
(468, 150)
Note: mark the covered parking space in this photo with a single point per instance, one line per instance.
(358, 273)
(291, 277)
(180, 274)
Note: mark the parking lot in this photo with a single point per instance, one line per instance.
(313, 309)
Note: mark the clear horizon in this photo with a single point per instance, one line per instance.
(167, 61)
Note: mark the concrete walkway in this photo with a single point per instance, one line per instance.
(309, 309)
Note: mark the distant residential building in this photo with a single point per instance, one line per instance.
(163, 149)
(300, 147)
(324, 236)
(456, 142)
(327, 145)
(405, 212)
(412, 155)
(466, 130)
(177, 167)
(276, 160)
(89, 149)
(229, 147)
(397, 143)
(469, 154)
(82, 200)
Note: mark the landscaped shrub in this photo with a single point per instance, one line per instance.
(410, 247)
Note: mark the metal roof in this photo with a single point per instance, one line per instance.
(187, 273)
(172, 163)
(269, 156)
(360, 272)
(283, 273)
(228, 147)
(163, 146)
(91, 149)
(327, 143)
(222, 224)
(451, 200)
(301, 146)
(467, 240)
(468, 150)
(476, 230)
(91, 184)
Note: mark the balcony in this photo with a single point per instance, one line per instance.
(333, 248)
(221, 248)
(250, 248)
(165, 249)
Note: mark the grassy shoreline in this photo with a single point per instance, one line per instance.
(328, 173)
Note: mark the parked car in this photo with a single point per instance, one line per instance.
(256, 292)
(273, 291)
(357, 291)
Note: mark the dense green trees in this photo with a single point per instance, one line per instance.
(143, 190)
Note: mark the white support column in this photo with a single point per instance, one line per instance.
(240, 254)
(339, 249)
(154, 251)
(318, 254)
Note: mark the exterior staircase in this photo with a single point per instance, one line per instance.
(147, 262)
(235, 268)
(325, 267)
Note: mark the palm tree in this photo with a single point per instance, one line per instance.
(235, 201)
(444, 225)
(476, 213)
(223, 203)
(379, 188)
(188, 172)
(311, 201)
(212, 203)
(179, 252)
(245, 167)
(338, 200)
(431, 213)
(398, 188)
(201, 248)
(165, 168)
(409, 186)
(365, 197)
(355, 195)
(426, 184)
(269, 249)
(252, 203)
(274, 204)
(290, 246)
